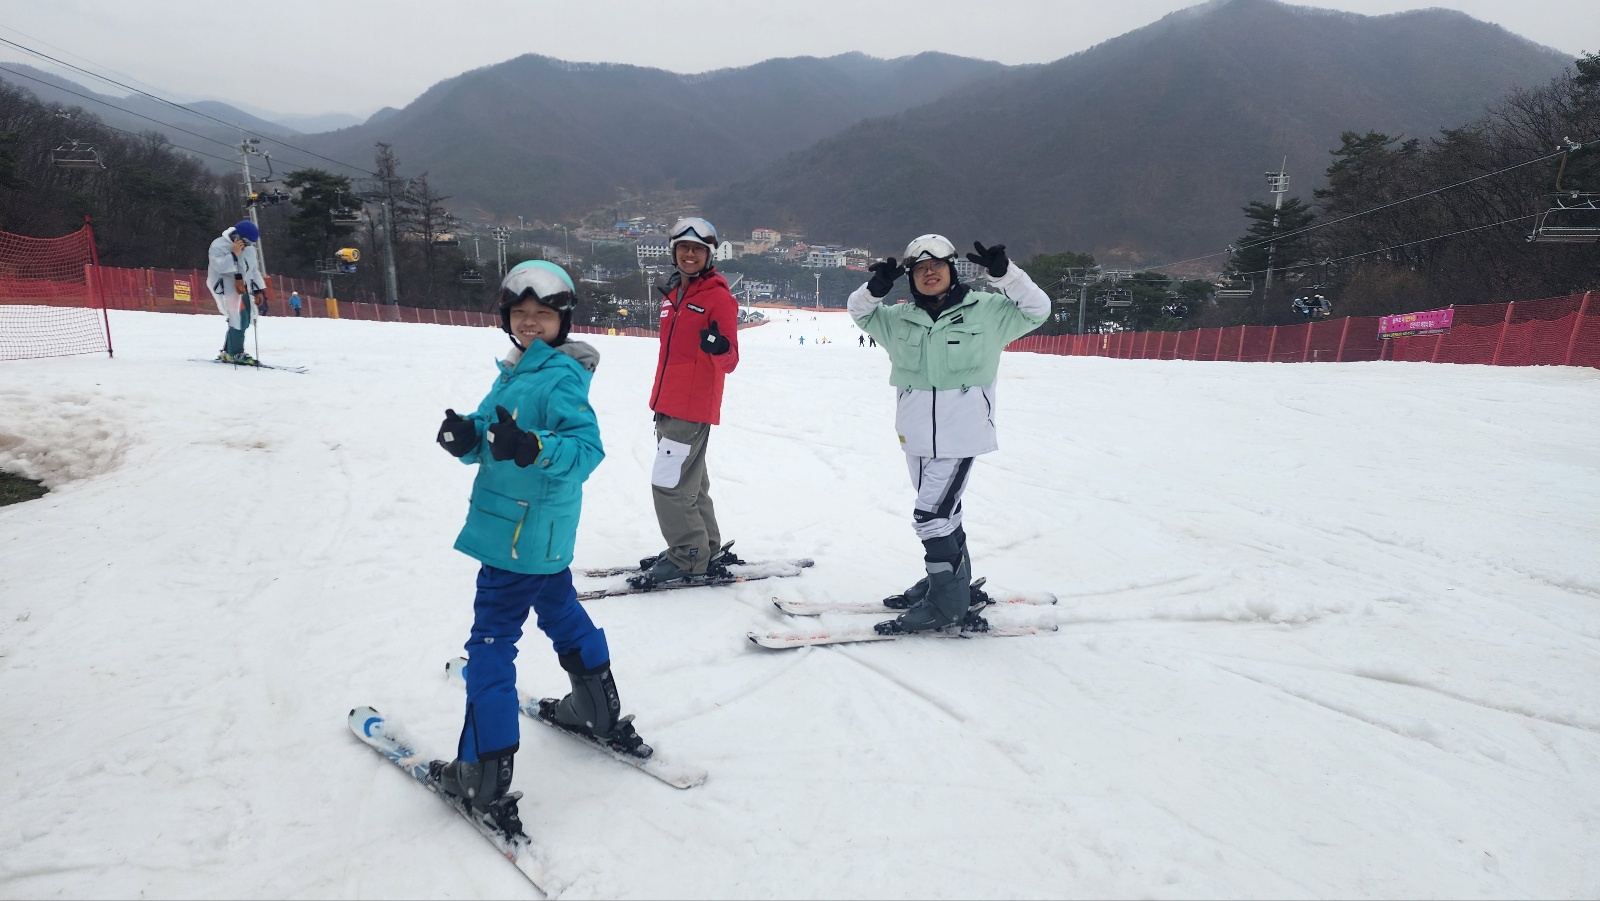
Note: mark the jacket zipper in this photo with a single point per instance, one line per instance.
(934, 409)
(518, 532)
(666, 354)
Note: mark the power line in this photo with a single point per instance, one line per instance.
(129, 112)
(1367, 253)
(178, 106)
(1367, 212)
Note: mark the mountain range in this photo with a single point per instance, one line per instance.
(1141, 149)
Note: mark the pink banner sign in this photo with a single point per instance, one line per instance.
(1430, 322)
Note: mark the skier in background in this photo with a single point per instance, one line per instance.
(233, 275)
(534, 439)
(699, 347)
(294, 302)
(944, 354)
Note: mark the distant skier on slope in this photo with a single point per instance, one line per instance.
(534, 439)
(944, 354)
(233, 275)
(699, 347)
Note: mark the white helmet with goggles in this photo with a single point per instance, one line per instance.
(543, 281)
(929, 247)
(695, 230)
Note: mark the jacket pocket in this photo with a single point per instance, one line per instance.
(907, 349)
(512, 512)
(963, 350)
(668, 468)
(563, 537)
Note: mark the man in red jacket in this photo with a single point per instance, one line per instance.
(699, 347)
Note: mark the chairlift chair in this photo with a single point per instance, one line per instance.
(76, 155)
(1577, 213)
(1575, 219)
(471, 277)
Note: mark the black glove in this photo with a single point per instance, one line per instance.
(884, 275)
(713, 342)
(238, 284)
(457, 435)
(507, 442)
(991, 258)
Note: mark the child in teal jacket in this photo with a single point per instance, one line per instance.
(534, 439)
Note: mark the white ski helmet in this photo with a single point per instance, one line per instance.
(545, 282)
(929, 247)
(695, 230)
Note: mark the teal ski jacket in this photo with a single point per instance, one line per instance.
(525, 519)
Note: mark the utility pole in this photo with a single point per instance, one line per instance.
(381, 190)
(1278, 184)
(501, 236)
(817, 300)
(248, 146)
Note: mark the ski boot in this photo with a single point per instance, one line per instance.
(945, 603)
(592, 708)
(664, 572)
(483, 788)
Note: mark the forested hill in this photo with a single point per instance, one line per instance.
(544, 138)
(1143, 148)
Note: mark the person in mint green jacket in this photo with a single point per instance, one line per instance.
(534, 439)
(944, 355)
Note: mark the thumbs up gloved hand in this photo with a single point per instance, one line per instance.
(990, 258)
(713, 342)
(884, 275)
(456, 435)
(508, 442)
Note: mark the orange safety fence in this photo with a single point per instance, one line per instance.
(1553, 331)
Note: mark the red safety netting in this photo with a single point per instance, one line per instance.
(49, 305)
(1554, 331)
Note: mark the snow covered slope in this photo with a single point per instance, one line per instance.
(1326, 630)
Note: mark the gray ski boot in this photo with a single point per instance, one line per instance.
(483, 786)
(945, 604)
(593, 708)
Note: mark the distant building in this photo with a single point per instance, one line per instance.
(765, 236)
(824, 258)
(726, 250)
(652, 252)
(967, 271)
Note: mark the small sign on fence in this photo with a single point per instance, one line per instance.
(1403, 325)
(180, 289)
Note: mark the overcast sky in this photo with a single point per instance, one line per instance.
(356, 56)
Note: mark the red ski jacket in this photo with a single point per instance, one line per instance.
(689, 380)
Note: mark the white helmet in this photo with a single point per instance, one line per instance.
(929, 247)
(695, 230)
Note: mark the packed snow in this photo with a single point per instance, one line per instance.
(1326, 630)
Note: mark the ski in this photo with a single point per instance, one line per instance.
(780, 640)
(741, 572)
(378, 734)
(609, 571)
(675, 775)
(297, 369)
(817, 608)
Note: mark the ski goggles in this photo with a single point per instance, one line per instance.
(928, 247)
(695, 229)
(545, 281)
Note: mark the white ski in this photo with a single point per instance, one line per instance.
(378, 734)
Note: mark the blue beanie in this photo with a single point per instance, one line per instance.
(247, 230)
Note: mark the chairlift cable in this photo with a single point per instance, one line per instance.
(279, 141)
(1317, 225)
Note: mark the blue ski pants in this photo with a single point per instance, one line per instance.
(498, 613)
